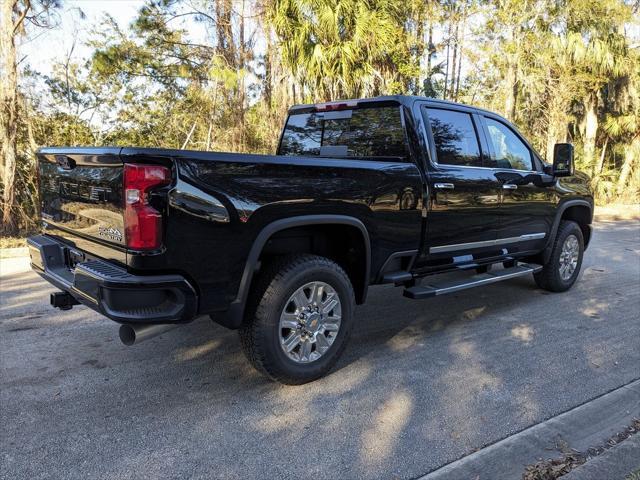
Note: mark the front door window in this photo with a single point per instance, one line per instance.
(508, 150)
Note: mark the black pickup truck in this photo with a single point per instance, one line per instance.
(403, 190)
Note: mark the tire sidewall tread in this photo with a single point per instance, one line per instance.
(549, 277)
(259, 333)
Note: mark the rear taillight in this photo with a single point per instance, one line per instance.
(143, 223)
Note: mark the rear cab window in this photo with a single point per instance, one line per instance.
(364, 133)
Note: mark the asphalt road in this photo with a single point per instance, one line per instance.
(421, 384)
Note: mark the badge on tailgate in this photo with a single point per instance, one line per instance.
(65, 162)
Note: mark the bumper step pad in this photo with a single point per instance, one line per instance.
(110, 289)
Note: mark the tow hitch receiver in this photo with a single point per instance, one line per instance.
(63, 300)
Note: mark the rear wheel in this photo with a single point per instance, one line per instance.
(299, 320)
(562, 270)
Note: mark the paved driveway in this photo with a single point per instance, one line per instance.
(422, 383)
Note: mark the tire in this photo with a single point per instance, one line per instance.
(551, 277)
(271, 300)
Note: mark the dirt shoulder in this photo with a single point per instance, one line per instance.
(617, 212)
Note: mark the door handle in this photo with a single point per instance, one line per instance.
(444, 186)
(510, 186)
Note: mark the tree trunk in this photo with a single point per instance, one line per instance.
(419, 53)
(590, 131)
(557, 121)
(600, 165)
(511, 82)
(8, 112)
(34, 199)
(460, 42)
(429, 91)
(186, 140)
(552, 138)
(268, 74)
(632, 152)
(454, 60)
(446, 70)
(511, 77)
(241, 67)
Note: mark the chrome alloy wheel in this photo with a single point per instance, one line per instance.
(569, 257)
(310, 322)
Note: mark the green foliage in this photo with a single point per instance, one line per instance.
(341, 48)
(562, 70)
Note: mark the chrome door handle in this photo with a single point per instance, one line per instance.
(444, 186)
(510, 186)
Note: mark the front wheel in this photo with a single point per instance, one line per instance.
(562, 270)
(299, 320)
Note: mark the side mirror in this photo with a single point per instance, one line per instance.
(562, 160)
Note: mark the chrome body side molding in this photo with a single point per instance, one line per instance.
(487, 243)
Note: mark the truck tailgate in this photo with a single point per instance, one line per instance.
(81, 198)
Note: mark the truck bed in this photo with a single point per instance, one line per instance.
(218, 203)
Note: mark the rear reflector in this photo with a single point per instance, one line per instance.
(143, 223)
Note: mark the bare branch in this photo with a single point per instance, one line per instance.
(23, 15)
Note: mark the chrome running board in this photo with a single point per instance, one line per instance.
(419, 292)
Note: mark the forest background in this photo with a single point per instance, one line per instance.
(220, 75)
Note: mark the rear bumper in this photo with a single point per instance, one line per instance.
(110, 289)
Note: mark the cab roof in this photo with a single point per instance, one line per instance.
(406, 100)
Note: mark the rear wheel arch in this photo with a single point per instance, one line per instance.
(359, 276)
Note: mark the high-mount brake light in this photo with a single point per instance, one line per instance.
(143, 223)
(327, 107)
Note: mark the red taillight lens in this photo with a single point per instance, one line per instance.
(143, 223)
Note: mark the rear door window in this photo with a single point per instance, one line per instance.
(455, 138)
(361, 133)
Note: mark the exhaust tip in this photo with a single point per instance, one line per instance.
(127, 335)
(132, 334)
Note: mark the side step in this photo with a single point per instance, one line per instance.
(425, 291)
(398, 276)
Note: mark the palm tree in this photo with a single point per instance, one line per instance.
(341, 48)
(599, 55)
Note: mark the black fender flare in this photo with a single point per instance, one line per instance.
(235, 314)
(556, 223)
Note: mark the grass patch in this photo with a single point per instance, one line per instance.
(13, 242)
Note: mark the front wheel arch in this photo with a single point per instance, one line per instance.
(577, 210)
